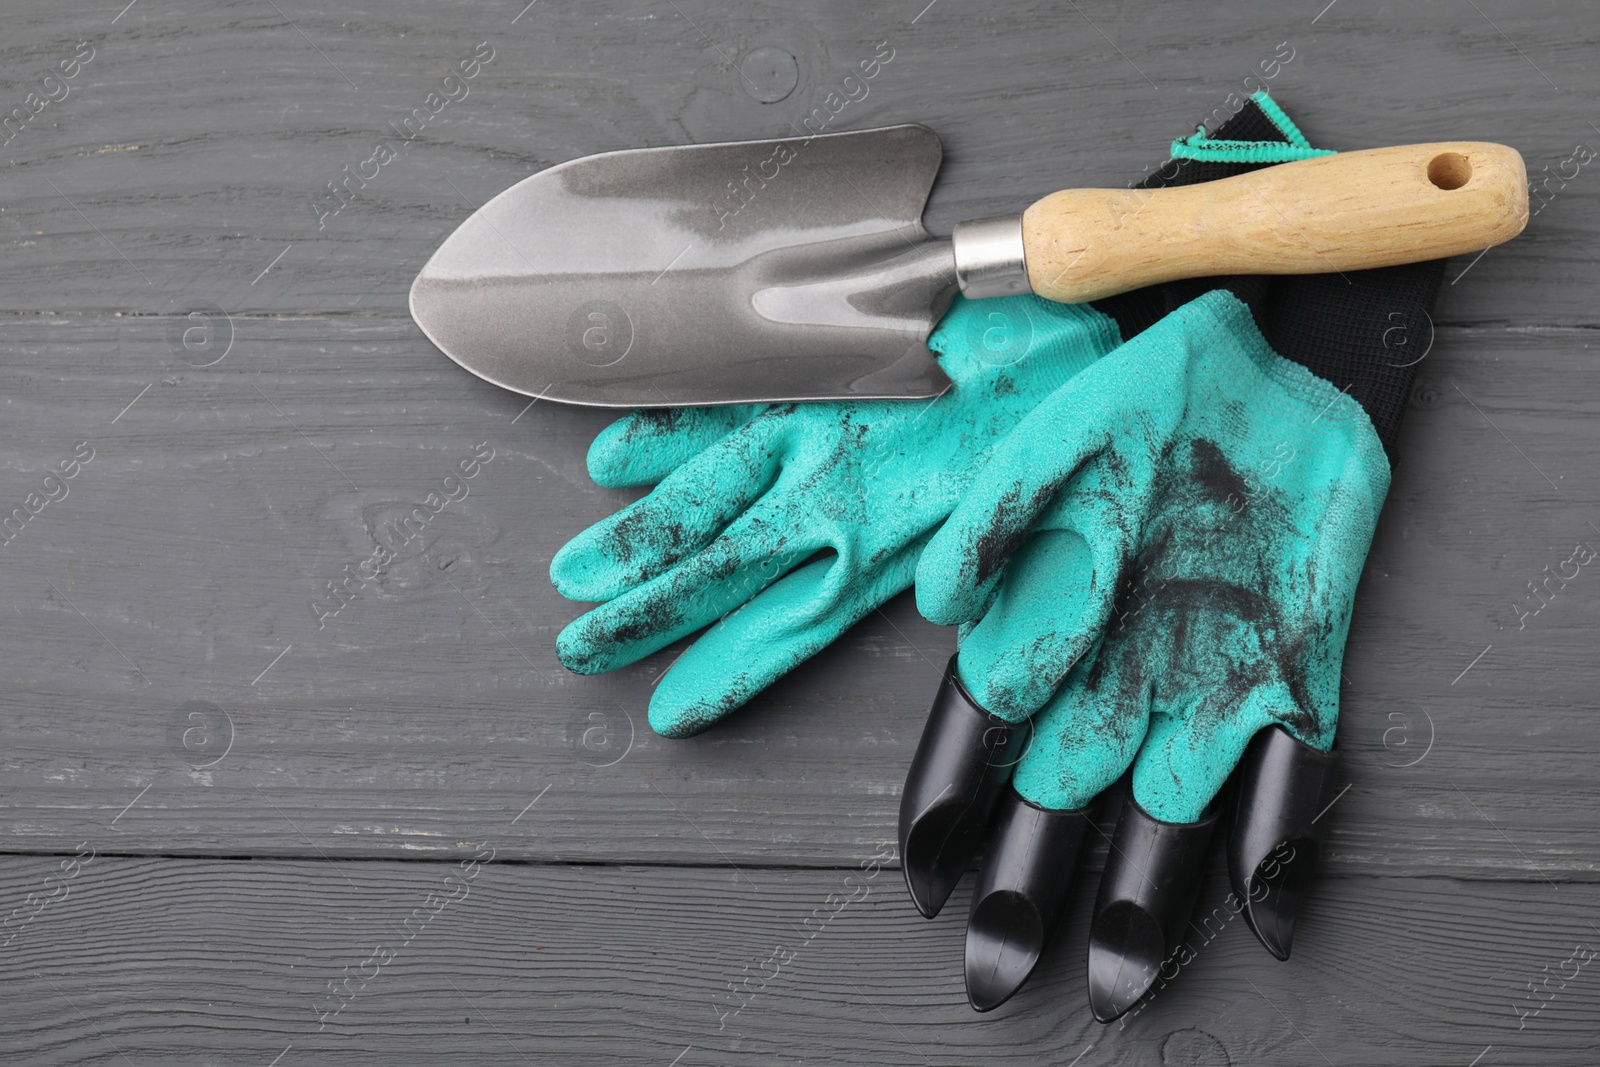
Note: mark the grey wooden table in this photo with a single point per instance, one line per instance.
(222, 802)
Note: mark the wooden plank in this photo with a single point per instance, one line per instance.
(171, 691)
(203, 961)
(195, 541)
(191, 153)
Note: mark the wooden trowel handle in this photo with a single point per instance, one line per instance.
(1350, 211)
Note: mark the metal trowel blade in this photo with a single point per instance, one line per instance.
(753, 271)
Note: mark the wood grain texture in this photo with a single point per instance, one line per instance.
(1377, 207)
(204, 961)
(179, 295)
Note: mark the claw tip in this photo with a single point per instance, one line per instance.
(1126, 948)
(1005, 938)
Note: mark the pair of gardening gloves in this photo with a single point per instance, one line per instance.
(1147, 516)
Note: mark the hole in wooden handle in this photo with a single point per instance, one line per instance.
(1449, 170)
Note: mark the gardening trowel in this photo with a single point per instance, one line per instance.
(798, 268)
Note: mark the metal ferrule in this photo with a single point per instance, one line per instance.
(989, 257)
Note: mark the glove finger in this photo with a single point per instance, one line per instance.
(775, 632)
(1014, 486)
(645, 446)
(679, 518)
(1089, 734)
(751, 555)
(1056, 597)
(1190, 751)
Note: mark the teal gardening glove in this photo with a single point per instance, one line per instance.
(727, 531)
(746, 496)
(1160, 561)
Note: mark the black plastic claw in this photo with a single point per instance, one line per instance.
(963, 761)
(1284, 786)
(1021, 894)
(1147, 894)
